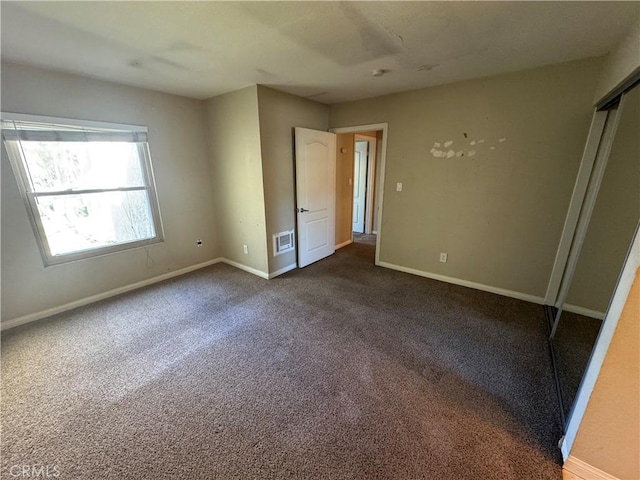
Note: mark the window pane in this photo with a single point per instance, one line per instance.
(66, 169)
(82, 165)
(74, 223)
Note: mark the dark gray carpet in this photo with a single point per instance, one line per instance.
(341, 370)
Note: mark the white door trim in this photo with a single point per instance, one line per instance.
(360, 185)
(605, 336)
(371, 179)
(383, 160)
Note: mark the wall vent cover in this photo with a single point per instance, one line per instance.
(283, 242)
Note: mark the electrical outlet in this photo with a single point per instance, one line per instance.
(399, 187)
(245, 249)
(443, 257)
(199, 242)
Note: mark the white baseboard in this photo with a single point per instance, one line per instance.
(240, 266)
(14, 322)
(286, 269)
(344, 244)
(583, 470)
(583, 311)
(465, 283)
(31, 317)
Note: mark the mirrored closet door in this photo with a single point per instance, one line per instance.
(608, 219)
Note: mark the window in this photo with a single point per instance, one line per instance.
(88, 186)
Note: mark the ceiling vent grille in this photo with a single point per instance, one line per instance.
(283, 242)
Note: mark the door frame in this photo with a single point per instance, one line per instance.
(625, 282)
(359, 183)
(614, 311)
(583, 211)
(372, 152)
(383, 160)
(575, 206)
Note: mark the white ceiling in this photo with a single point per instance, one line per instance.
(321, 50)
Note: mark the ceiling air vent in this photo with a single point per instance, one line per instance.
(283, 242)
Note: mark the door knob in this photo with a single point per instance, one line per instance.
(302, 210)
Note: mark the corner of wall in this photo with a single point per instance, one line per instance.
(180, 158)
(620, 64)
(236, 162)
(279, 113)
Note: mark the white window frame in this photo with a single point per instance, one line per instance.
(17, 162)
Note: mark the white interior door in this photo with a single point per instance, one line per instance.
(360, 185)
(315, 194)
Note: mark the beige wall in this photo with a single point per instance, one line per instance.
(615, 216)
(499, 213)
(236, 160)
(279, 114)
(344, 187)
(609, 435)
(177, 142)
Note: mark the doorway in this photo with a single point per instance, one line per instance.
(359, 219)
(364, 166)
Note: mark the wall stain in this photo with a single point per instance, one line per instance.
(438, 152)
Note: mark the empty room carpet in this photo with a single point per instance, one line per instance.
(341, 370)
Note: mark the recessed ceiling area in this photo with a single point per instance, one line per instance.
(326, 51)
